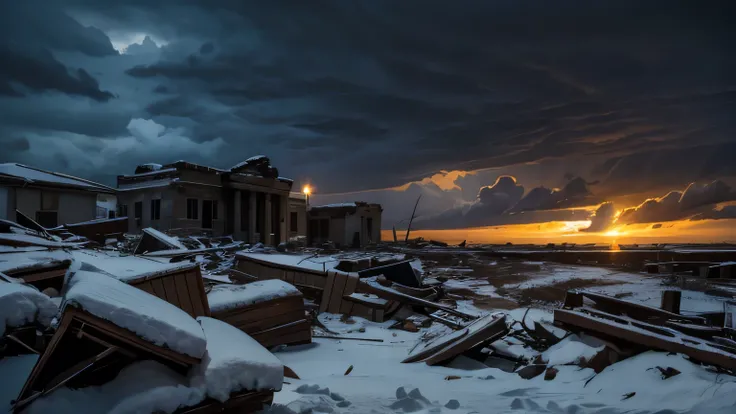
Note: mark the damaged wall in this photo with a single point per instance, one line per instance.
(299, 207)
(71, 206)
(5, 202)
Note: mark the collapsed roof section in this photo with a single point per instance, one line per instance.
(14, 173)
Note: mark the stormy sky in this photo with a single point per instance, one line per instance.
(496, 111)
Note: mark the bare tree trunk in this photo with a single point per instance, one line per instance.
(408, 229)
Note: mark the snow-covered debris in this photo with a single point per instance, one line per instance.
(172, 241)
(124, 268)
(22, 259)
(234, 361)
(149, 317)
(142, 387)
(225, 297)
(23, 304)
(573, 350)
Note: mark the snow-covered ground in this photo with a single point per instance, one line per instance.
(380, 383)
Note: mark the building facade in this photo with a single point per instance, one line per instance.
(297, 216)
(248, 201)
(353, 225)
(49, 198)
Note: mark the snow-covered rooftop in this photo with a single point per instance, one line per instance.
(337, 205)
(226, 297)
(122, 267)
(248, 161)
(149, 173)
(149, 317)
(22, 304)
(35, 175)
(164, 182)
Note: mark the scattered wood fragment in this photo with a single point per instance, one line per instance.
(347, 338)
(289, 373)
(349, 370)
(642, 334)
(392, 294)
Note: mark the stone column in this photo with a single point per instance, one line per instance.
(284, 218)
(267, 220)
(252, 218)
(237, 206)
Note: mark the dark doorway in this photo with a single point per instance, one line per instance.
(261, 216)
(206, 214)
(276, 219)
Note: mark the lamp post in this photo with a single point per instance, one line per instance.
(307, 191)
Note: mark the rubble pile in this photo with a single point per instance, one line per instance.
(168, 311)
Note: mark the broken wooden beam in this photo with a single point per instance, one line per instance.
(393, 294)
(643, 313)
(671, 301)
(623, 330)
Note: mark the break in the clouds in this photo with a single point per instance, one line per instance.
(371, 96)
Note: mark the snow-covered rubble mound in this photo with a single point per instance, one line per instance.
(234, 361)
(22, 304)
(149, 317)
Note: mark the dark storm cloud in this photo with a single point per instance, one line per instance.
(475, 88)
(697, 200)
(602, 218)
(725, 212)
(37, 71)
(495, 205)
(574, 194)
(361, 95)
(44, 24)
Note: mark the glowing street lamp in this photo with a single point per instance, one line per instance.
(307, 190)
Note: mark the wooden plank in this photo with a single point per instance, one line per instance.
(185, 301)
(131, 338)
(289, 302)
(35, 277)
(433, 346)
(158, 288)
(694, 348)
(350, 285)
(66, 320)
(170, 288)
(194, 293)
(634, 310)
(251, 315)
(202, 294)
(327, 292)
(337, 292)
(391, 294)
(266, 323)
(361, 310)
(146, 287)
(484, 330)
